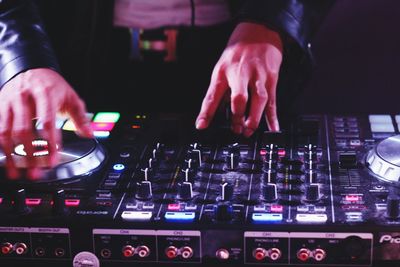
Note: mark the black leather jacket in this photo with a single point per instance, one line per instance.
(25, 45)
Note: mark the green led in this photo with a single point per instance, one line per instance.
(107, 117)
(146, 45)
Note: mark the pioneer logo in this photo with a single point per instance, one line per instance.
(390, 239)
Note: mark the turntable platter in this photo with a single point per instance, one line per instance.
(384, 159)
(77, 157)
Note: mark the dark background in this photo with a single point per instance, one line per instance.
(358, 60)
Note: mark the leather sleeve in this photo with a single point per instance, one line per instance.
(23, 42)
(296, 19)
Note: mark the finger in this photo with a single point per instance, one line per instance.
(22, 130)
(76, 108)
(271, 115)
(46, 112)
(239, 97)
(216, 90)
(6, 119)
(259, 99)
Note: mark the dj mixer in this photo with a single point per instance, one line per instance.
(151, 190)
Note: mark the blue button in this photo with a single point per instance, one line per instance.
(267, 217)
(118, 167)
(180, 216)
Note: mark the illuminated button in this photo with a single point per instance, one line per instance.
(355, 142)
(267, 217)
(303, 209)
(380, 119)
(180, 216)
(110, 183)
(104, 194)
(107, 117)
(69, 125)
(382, 128)
(353, 198)
(276, 208)
(174, 206)
(148, 206)
(132, 205)
(1, 200)
(58, 123)
(136, 215)
(72, 202)
(259, 208)
(311, 218)
(190, 207)
(119, 167)
(102, 126)
(101, 134)
(320, 209)
(114, 175)
(33, 201)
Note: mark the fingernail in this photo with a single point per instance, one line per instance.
(237, 129)
(248, 132)
(201, 124)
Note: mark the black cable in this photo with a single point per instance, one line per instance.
(193, 17)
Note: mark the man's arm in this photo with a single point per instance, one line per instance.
(23, 42)
(31, 87)
(295, 19)
(249, 66)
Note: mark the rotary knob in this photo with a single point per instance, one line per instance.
(232, 161)
(271, 152)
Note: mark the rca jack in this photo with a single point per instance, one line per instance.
(20, 248)
(274, 254)
(171, 252)
(6, 248)
(186, 252)
(128, 251)
(303, 254)
(260, 254)
(319, 254)
(143, 251)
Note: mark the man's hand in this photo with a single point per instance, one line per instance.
(249, 64)
(37, 93)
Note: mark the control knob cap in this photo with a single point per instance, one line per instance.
(19, 202)
(143, 190)
(269, 192)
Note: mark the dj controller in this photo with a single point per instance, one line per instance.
(151, 190)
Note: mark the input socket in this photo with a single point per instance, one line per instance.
(171, 252)
(186, 252)
(59, 252)
(128, 251)
(319, 254)
(20, 248)
(40, 252)
(105, 253)
(303, 254)
(6, 248)
(143, 251)
(274, 254)
(260, 254)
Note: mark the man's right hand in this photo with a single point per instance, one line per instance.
(37, 94)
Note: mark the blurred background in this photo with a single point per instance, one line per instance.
(358, 60)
